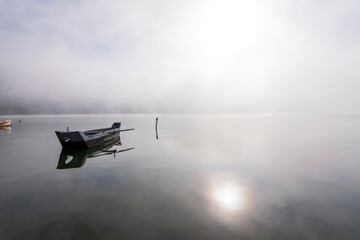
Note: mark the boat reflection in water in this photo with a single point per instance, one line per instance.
(77, 158)
(5, 129)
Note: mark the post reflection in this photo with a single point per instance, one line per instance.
(77, 158)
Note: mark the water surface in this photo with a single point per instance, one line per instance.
(204, 177)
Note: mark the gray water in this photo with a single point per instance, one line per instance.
(204, 177)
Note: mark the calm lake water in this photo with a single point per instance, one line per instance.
(205, 177)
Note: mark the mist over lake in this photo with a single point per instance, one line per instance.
(228, 56)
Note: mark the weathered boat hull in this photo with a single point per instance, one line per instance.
(88, 139)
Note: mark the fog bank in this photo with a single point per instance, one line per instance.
(179, 56)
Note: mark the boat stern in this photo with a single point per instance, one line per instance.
(116, 125)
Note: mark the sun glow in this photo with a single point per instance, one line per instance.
(227, 44)
(228, 196)
(228, 27)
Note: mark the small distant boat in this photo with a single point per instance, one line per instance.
(5, 123)
(90, 138)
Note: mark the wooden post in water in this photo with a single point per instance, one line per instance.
(156, 124)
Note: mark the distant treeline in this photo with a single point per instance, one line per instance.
(43, 108)
(28, 108)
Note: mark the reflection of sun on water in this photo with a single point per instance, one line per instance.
(228, 200)
(228, 196)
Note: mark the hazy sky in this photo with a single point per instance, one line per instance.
(182, 56)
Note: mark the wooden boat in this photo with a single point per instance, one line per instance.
(90, 138)
(5, 123)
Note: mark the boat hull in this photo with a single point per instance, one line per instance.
(6, 123)
(88, 139)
